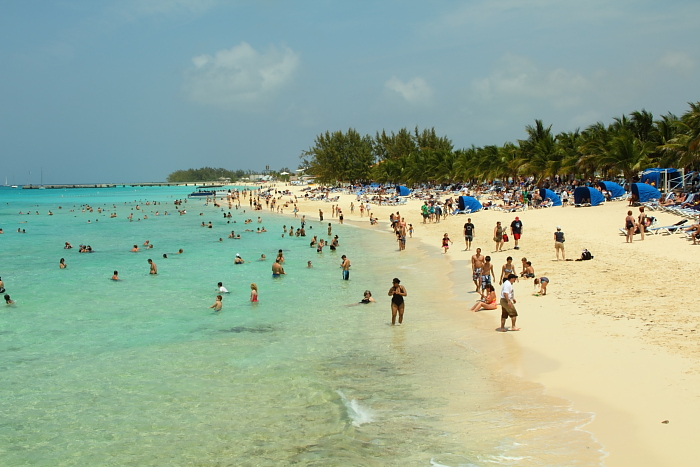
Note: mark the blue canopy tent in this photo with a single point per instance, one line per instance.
(547, 193)
(666, 179)
(586, 194)
(645, 192)
(402, 191)
(615, 190)
(468, 202)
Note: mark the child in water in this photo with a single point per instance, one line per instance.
(253, 293)
(217, 304)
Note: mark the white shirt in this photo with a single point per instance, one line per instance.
(507, 290)
(223, 289)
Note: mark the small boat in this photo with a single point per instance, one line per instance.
(201, 192)
(209, 190)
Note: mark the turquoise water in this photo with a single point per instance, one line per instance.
(142, 372)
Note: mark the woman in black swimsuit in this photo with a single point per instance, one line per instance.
(397, 292)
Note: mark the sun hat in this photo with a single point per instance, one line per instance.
(558, 228)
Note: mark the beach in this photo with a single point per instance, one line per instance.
(142, 371)
(613, 335)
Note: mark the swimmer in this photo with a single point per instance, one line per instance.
(238, 259)
(309, 265)
(2, 286)
(253, 293)
(221, 288)
(68, 246)
(180, 251)
(367, 298)
(217, 304)
(62, 264)
(165, 256)
(8, 300)
(115, 276)
(146, 242)
(263, 257)
(135, 248)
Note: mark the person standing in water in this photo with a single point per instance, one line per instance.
(217, 304)
(154, 268)
(346, 267)
(62, 264)
(397, 293)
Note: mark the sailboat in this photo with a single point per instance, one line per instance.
(6, 182)
(42, 187)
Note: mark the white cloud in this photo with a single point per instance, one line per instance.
(518, 77)
(415, 91)
(240, 76)
(678, 61)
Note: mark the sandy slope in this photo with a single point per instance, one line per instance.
(618, 335)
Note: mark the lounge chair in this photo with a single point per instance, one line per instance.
(669, 229)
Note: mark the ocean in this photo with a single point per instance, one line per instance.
(142, 371)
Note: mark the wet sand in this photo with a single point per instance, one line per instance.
(612, 335)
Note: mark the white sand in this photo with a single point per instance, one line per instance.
(617, 336)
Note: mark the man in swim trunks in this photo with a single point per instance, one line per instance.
(477, 264)
(468, 233)
(154, 269)
(277, 269)
(486, 275)
(508, 304)
(346, 267)
(516, 229)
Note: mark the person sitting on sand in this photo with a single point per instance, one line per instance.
(543, 282)
(488, 302)
(529, 272)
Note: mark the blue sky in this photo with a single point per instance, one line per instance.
(131, 90)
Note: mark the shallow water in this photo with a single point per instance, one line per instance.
(141, 372)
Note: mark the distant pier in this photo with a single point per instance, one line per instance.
(114, 185)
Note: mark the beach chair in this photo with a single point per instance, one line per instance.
(669, 229)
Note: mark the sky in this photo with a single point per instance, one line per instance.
(126, 91)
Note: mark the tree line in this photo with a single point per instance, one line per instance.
(624, 147)
(210, 174)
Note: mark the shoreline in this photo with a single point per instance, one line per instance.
(574, 347)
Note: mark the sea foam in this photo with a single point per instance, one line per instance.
(357, 413)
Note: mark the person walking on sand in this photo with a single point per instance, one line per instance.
(559, 243)
(446, 243)
(629, 227)
(468, 233)
(154, 268)
(498, 236)
(397, 293)
(320, 215)
(508, 304)
(516, 229)
(477, 264)
(346, 267)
